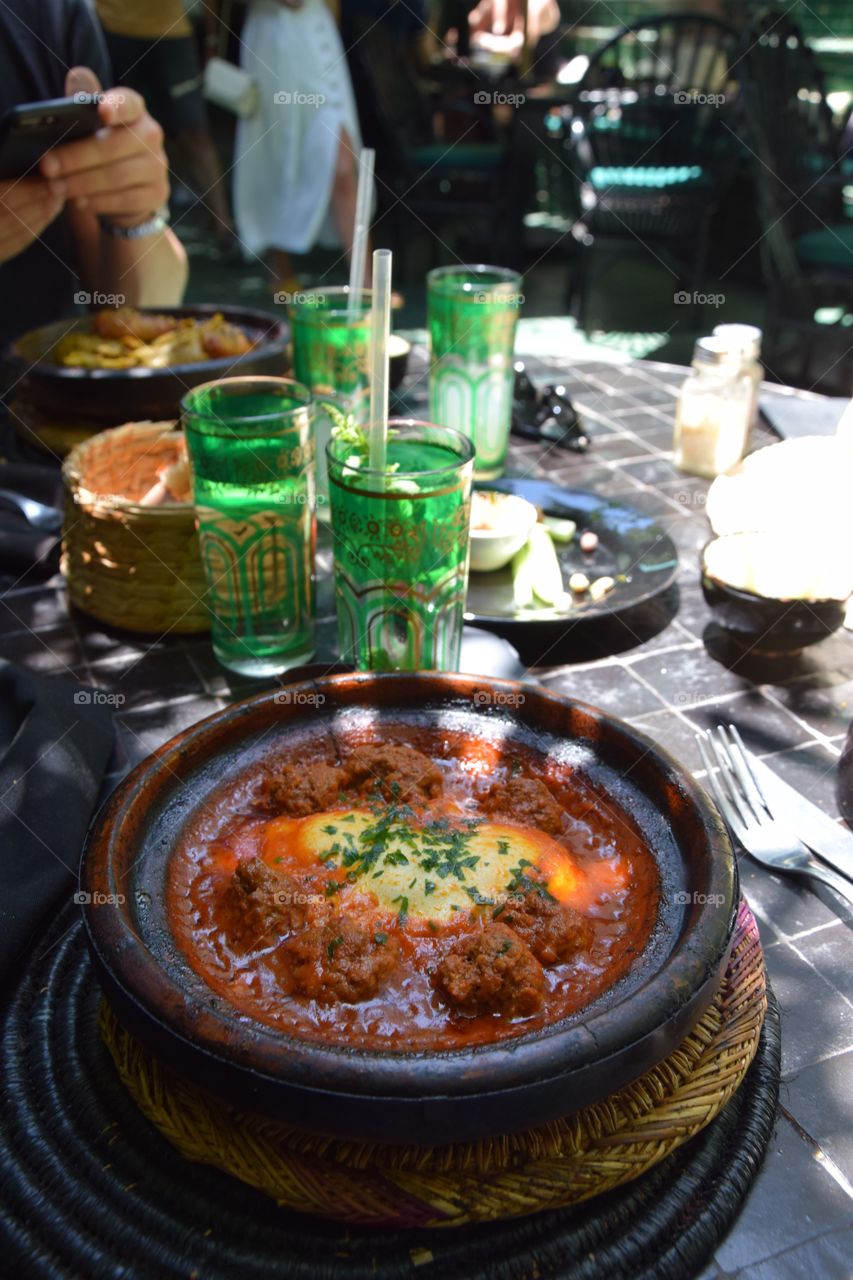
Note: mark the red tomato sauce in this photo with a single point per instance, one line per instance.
(311, 940)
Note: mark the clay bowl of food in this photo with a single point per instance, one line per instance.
(126, 362)
(774, 592)
(409, 908)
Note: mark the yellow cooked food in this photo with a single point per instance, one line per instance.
(129, 339)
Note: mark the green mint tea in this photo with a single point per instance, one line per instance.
(401, 551)
(252, 462)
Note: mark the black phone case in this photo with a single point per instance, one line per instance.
(28, 131)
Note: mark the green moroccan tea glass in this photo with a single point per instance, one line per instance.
(472, 312)
(330, 356)
(251, 450)
(400, 542)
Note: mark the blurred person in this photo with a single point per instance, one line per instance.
(90, 214)
(153, 50)
(296, 159)
(498, 25)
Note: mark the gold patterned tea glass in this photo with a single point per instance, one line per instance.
(251, 450)
(330, 356)
(472, 313)
(400, 541)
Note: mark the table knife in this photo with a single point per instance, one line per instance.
(831, 842)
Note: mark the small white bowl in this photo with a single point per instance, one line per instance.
(494, 547)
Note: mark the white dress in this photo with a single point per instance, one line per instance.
(285, 154)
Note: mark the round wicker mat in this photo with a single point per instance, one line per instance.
(92, 1190)
(595, 1150)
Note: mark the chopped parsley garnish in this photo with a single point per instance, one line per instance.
(404, 907)
(333, 946)
(330, 830)
(380, 938)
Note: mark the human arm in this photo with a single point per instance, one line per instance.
(119, 173)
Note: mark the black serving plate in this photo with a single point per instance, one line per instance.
(432, 1097)
(632, 548)
(113, 395)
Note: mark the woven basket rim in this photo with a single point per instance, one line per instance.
(82, 495)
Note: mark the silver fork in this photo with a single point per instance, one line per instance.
(741, 802)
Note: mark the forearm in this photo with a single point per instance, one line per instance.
(149, 272)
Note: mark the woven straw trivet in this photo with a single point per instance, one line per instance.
(595, 1150)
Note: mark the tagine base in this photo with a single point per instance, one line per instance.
(93, 1189)
(591, 1152)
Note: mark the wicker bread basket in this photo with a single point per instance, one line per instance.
(132, 566)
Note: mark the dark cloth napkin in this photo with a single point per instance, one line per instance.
(794, 415)
(24, 549)
(55, 745)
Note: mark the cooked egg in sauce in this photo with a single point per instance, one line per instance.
(422, 892)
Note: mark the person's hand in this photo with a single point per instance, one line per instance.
(27, 206)
(120, 171)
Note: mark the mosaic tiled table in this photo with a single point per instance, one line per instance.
(664, 673)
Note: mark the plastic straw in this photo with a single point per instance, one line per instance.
(379, 330)
(363, 201)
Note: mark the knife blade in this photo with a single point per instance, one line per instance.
(831, 842)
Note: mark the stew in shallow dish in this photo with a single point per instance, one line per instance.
(418, 890)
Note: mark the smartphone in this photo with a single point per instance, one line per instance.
(29, 130)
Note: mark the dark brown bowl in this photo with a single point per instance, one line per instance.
(426, 1098)
(398, 361)
(763, 625)
(114, 395)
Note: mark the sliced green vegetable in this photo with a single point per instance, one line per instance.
(560, 530)
(523, 569)
(548, 576)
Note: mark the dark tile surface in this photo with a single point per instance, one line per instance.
(794, 1200)
(819, 1096)
(666, 669)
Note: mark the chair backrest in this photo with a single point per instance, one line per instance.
(390, 96)
(672, 53)
(790, 126)
(655, 97)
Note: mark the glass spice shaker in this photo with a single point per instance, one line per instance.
(712, 414)
(744, 340)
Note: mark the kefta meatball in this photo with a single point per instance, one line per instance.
(492, 971)
(526, 801)
(399, 774)
(553, 931)
(261, 905)
(342, 961)
(299, 790)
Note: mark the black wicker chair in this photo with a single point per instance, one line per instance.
(807, 248)
(650, 147)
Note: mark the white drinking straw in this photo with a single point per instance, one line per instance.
(380, 317)
(363, 201)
